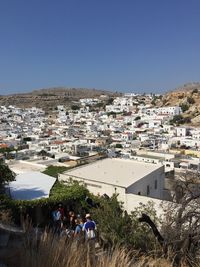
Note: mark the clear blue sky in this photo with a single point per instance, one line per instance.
(124, 45)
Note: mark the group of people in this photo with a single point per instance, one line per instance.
(72, 225)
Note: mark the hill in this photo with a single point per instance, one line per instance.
(51, 97)
(188, 98)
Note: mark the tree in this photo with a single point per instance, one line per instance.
(117, 227)
(195, 91)
(75, 107)
(55, 170)
(181, 224)
(184, 107)
(6, 175)
(118, 146)
(179, 119)
(137, 118)
(110, 101)
(190, 100)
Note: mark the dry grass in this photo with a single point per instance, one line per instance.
(49, 250)
(6, 217)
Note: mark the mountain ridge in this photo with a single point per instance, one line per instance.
(52, 97)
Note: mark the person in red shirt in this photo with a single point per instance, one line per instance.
(62, 213)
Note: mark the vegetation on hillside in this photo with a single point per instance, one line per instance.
(55, 170)
(179, 119)
(60, 252)
(6, 175)
(179, 227)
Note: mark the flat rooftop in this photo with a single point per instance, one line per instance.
(24, 166)
(119, 172)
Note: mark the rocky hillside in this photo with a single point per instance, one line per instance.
(49, 98)
(188, 97)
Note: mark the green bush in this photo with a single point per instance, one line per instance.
(119, 228)
(55, 170)
(118, 146)
(179, 119)
(190, 100)
(195, 91)
(184, 107)
(75, 107)
(72, 196)
(137, 118)
(6, 175)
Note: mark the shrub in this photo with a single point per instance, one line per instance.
(190, 100)
(75, 107)
(6, 175)
(118, 228)
(137, 118)
(195, 91)
(72, 196)
(118, 146)
(55, 170)
(179, 119)
(184, 107)
(50, 250)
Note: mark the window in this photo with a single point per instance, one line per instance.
(148, 190)
(155, 184)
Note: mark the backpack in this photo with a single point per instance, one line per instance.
(90, 233)
(56, 215)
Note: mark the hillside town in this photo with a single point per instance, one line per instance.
(123, 145)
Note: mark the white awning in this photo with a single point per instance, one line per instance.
(31, 185)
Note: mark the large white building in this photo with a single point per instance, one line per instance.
(121, 176)
(170, 111)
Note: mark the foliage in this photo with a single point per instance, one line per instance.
(184, 107)
(6, 149)
(27, 139)
(112, 113)
(99, 105)
(181, 224)
(75, 107)
(63, 252)
(137, 118)
(155, 98)
(179, 119)
(195, 91)
(119, 228)
(141, 234)
(110, 101)
(55, 170)
(118, 146)
(71, 195)
(190, 100)
(6, 175)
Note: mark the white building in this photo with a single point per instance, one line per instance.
(182, 131)
(170, 111)
(120, 176)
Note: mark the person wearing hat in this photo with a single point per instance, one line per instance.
(89, 228)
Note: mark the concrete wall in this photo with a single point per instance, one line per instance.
(97, 188)
(145, 159)
(140, 187)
